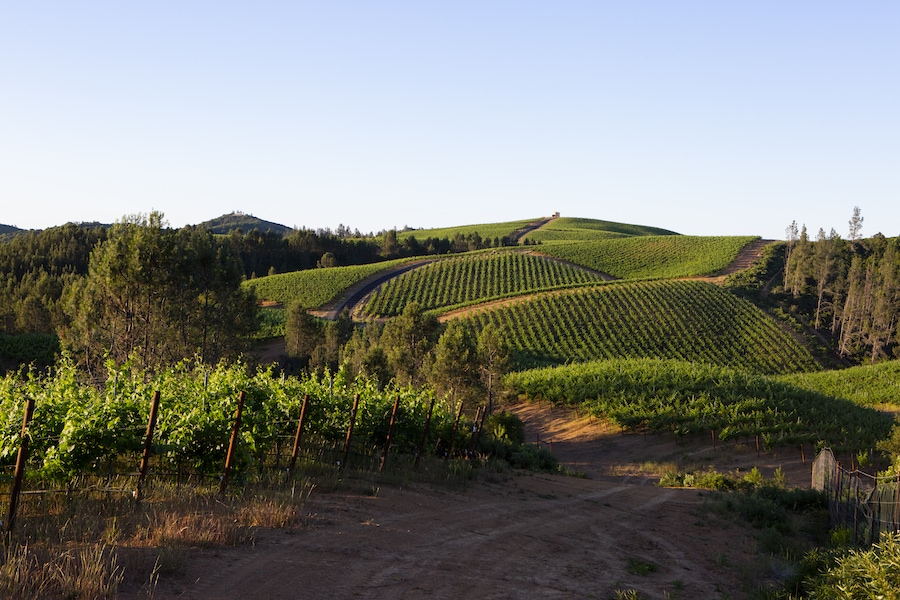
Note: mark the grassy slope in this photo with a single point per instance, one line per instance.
(576, 229)
(314, 287)
(485, 230)
(653, 257)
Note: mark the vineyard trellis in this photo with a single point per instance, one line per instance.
(685, 320)
(101, 433)
(460, 281)
(867, 505)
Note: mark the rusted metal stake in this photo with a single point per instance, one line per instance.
(295, 450)
(148, 446)
(424, 435)
(20, 465)
(350, 431)
(713, 432)
(387, 445)
(232, 445)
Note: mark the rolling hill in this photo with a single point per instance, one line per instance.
(238, 220)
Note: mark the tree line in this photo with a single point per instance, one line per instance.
(410, 349)
(37, 266)
(848, 290)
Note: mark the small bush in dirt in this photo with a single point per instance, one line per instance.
(506, 426)
(519, 456)
(637, 566)
(710, 480)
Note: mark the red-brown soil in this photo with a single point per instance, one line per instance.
(511, 534)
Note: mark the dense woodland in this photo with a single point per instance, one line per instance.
(847, 290)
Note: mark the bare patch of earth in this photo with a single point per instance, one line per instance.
(508, 535)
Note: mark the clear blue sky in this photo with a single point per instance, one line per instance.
(708, 118)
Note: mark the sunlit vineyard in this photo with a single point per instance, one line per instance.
(653, 257)
(686, 398)
(79, 427)
(314, 287)
(867, 385)
(475, 278)
(687, 320)
(574, 229)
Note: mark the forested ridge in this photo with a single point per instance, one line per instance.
(36, 266)
(847, 290)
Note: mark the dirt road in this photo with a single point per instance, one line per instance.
(509, 535)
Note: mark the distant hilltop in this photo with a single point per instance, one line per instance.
(220, 225)
(9, 229)
(246, 223)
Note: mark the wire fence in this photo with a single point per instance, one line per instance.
(867, 505)
(116, 473)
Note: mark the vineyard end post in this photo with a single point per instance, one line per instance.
(20, 466)
(232, 445)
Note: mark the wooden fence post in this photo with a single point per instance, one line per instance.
(421, 448)
(455, 428)
(481, 428)
(232, 445)
(148, 446)
(896, 503)
(20, 465)
(387, 445)
(476, 429)
(295, 450)
(350, 431)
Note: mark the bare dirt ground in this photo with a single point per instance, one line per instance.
(508, 535)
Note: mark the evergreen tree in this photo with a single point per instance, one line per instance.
(157, 296)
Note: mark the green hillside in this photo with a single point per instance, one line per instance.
(867, 385)
(652, 257)
(485, 230)
(685, 320)
(685, 398)
(314, 287)
(575, 229)
(475, 277)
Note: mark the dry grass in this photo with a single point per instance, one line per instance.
(87, 572)
(84, 546)
(645, 469)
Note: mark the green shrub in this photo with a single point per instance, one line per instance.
(872, 573)
(506, 426)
